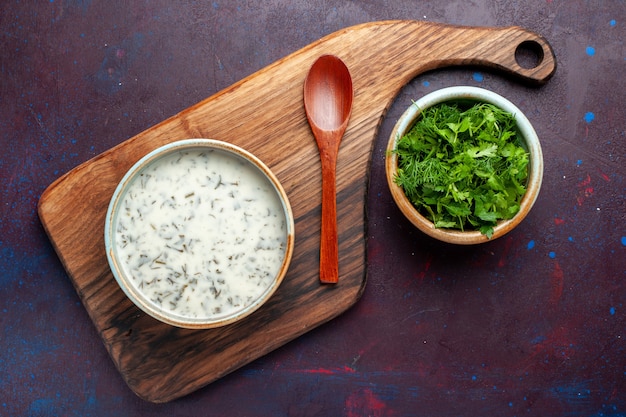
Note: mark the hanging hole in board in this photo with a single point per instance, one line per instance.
(529, 54)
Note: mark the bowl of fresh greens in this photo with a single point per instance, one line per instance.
(464, 165)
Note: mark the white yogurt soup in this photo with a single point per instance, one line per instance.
(201, 233)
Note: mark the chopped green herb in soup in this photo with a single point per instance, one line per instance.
(463, 168)
(201, 233)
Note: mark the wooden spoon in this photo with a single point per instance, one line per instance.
(328, 105)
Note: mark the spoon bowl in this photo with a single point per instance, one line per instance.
(328, 98)
(328, 94)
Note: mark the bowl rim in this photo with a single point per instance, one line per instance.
(135, 295)
(529, 136)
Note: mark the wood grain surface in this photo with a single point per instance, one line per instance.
(264, 113)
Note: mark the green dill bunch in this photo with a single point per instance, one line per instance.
(463, 167)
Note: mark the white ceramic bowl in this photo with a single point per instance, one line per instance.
(199, 233)
(465, 94)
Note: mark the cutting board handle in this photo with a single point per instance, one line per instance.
(403, 49)
(517, 51)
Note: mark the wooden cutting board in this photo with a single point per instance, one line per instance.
(264, 113)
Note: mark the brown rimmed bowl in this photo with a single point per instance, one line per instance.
(467, 95)
(199, 233)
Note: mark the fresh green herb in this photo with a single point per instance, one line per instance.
(463, 168)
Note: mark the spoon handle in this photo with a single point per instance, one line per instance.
(329, 257)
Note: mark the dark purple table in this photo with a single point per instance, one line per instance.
(532, 324)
